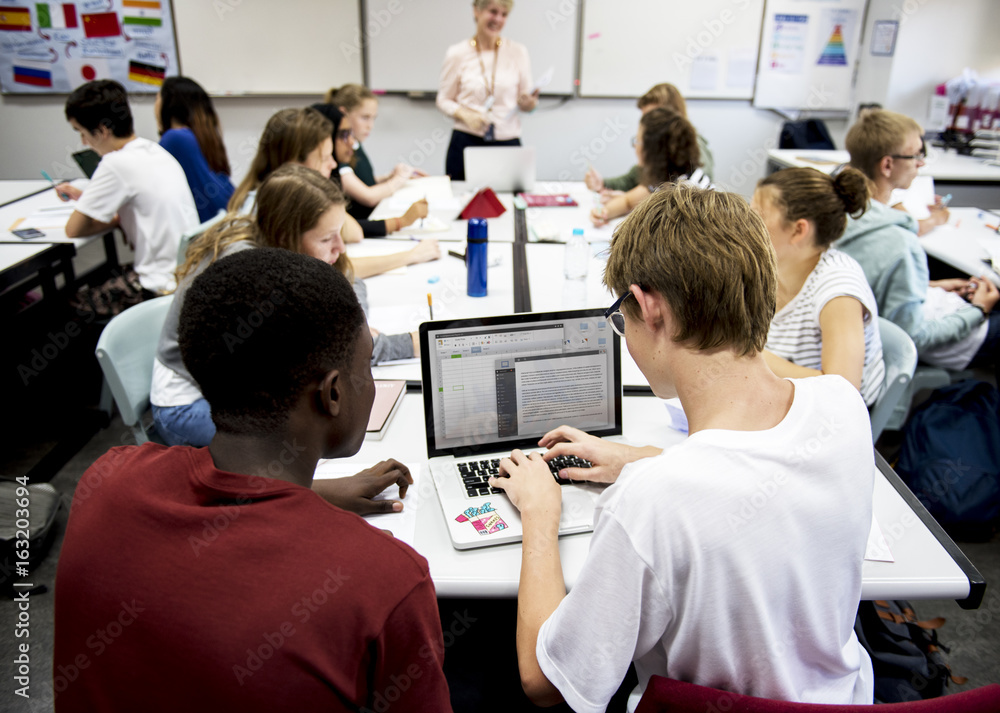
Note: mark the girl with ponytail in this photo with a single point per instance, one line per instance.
(826, 319)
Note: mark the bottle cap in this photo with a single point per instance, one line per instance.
(577, 231)
(478, 230)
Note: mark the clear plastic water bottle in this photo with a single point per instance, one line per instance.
(476, 257)
(577, 256)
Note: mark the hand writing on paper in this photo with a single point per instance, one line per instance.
(355, 493)
(599, 216)
(68, 192)
(425, 251)
(607, 458)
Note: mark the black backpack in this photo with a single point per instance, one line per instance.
(27, 520)
(907, 658)
(951, 458)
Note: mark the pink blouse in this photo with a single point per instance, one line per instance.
(463, 84)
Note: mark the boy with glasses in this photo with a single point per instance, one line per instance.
(690, 573)
(950, 321)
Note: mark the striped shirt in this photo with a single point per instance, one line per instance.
(795, 334)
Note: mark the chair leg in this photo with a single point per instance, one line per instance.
(107, 402)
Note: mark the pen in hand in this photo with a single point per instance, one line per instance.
(48, 178)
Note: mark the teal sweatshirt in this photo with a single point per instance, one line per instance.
(884, 242)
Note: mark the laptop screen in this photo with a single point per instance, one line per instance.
(496, 383)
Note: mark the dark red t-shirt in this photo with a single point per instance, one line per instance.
(181, 587)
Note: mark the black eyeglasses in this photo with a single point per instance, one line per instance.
(614, 315)
(345, 134)
(920, 155)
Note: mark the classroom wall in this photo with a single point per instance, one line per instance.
(569, 132)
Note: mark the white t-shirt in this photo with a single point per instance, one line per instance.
(957, 354)
(795, 334)
(147, 188)
(732, 560)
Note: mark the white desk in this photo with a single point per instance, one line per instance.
(965, 241)
(10, 213)
(923, 567)
(970, 181)
(11, 191)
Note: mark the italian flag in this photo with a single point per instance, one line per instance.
(142, 12)
(56, 17)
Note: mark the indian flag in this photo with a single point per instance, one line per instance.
(56, 17)
(142, 12)
(15, 19)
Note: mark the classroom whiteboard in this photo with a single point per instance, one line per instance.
(407, 40)
(706, 48)
(808, 53)
(267, 47)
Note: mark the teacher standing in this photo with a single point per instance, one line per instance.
(484, 82)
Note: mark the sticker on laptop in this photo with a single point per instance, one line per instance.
(485, 519)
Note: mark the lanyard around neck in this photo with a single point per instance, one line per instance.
(490, 88)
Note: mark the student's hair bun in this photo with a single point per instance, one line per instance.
(851, 187)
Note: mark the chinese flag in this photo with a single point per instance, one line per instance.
(101, 24)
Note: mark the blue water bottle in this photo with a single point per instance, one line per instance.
(476, 257)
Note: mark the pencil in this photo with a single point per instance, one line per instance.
(430, 305)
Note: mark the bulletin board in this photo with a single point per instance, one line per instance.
(706, 48)
(808, 52)
(54, 47)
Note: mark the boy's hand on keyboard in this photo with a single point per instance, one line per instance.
(529, 484)
(355, 492)
(607, 458)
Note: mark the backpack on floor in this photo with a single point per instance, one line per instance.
(27, 519)
(951, 458)
(907, 658)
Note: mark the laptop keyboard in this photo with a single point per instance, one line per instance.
(476, 474)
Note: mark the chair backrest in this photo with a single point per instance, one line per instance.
(190, 235)
(125, 351)
(665, 695)
(900, 357)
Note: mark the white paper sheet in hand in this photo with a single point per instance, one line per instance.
(403, 525)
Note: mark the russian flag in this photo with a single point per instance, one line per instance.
(32, 76)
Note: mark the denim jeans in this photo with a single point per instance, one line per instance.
(189, 425)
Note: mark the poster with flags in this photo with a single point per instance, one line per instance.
(54, 47)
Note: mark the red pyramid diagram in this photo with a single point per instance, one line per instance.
(833, 53)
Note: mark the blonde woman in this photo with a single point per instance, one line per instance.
(485, 82)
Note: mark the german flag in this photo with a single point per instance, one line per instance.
(15, 19)
(146, 73)
(32, 76)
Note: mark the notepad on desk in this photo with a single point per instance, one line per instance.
(388, 397)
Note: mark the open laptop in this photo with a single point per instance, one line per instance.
(87, 160)
(493, 384)
(505, 169)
